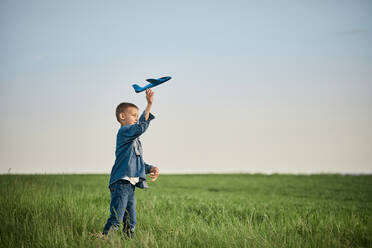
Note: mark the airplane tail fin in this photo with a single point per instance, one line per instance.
(137, 88)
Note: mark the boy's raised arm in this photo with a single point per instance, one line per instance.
(137, 129)
(149, 98)
(134, 131)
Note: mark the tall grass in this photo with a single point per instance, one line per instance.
(191, 211)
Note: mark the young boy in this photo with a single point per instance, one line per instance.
(129, 169)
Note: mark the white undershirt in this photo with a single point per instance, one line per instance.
(132, 180)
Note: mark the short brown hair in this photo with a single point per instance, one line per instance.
(122, 107)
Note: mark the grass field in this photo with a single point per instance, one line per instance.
(191, 211)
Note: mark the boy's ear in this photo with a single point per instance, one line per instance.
(121, 115)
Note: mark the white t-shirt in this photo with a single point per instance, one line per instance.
(132, 180)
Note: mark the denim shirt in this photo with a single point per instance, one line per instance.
(129, 161)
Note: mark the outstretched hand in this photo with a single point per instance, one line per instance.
(154, 173)
(149, 96)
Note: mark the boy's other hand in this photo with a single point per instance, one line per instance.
(154, 173)
(149, 96)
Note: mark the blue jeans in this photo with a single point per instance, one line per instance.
(122, 206)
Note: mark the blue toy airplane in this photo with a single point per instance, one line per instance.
(152, 83)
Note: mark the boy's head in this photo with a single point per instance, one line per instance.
(127, 113)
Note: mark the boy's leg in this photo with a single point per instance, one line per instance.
(130, 218)
(119, 199)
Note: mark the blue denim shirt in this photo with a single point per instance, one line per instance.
(129, 161)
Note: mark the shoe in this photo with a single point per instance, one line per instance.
(130, 233)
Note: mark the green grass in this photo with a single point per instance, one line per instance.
(191, 211)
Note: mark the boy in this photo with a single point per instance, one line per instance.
(129, 169)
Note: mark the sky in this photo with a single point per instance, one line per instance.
(257, 86)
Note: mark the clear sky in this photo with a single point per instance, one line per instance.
(258, 86)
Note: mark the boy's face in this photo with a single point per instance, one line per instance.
(129, 117)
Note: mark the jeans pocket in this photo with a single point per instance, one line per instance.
(114, 187)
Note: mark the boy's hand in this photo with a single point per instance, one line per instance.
(149, 96)
(154, 173)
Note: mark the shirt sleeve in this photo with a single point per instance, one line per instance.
(142, 117)
(147, 168)
(131, 132)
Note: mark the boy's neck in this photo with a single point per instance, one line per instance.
(124, 124)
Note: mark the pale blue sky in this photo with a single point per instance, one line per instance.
(258, 86)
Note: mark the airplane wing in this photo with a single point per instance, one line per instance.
(151, 80)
